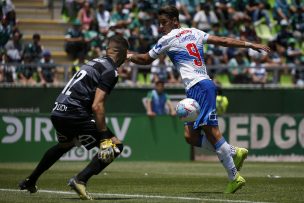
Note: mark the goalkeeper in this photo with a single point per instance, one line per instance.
(79, 118)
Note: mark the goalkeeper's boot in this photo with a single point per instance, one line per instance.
(28, 185)
(79, 188)
(239, 157)
(235, 185)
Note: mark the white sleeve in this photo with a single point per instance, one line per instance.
(160, 48)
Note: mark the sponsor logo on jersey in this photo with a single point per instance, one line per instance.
(99, 60)
(182, 33)
(60, 107)
(188, 38)
(158, 46)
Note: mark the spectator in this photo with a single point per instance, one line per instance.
(86, 16)
(68, 10)
(81, 59)
(187, 10)
(284, 34)
(189, 5)
(157, 101)
(26, 71)
(216, 29)
(297, 20)
(47, 69)
(147, 32)
(120, 20)
(293, 54)
(223, 11)
(257, 71)
(74, 41)
(34, 49)
(94, 41)
(162, 70)
(238, 68)
(237, 11)
(14, 48)
(103, 19)
(294, 58)
(258, 9)
(204, 18)
(247, 32)
(5, 32)
(7, 10)
(219, 54)
(7, 71)
(273, 58)
(281, 10)
(125, 74)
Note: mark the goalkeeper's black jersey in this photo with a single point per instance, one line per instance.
(76, 99)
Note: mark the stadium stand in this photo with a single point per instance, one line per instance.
(136, 21)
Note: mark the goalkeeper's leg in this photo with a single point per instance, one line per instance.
(49, 158)
(98, 164)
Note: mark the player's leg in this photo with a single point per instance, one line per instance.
(223, 151)
(50, 157)
(97, 164)
(110, 148)
(196, 137)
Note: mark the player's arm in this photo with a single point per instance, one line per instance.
(149, 105)
(142, 59)
(98, 108)
(171, 107)
(230, 42)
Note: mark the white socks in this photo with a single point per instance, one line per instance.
(205, 144)
(223, 151)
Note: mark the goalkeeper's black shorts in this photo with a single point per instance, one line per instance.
(82, 131)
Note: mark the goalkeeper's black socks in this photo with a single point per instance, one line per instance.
(95, 167)
(49, 158)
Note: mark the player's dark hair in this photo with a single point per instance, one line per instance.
(170, 11)
(119, 40)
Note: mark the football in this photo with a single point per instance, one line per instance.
(187, 110)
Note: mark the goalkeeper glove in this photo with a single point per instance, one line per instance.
(107, 151)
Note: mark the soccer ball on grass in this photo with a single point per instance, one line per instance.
(187, 110)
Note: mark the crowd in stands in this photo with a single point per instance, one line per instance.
(22, 63)
(93, 21)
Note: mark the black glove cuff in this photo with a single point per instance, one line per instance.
(107, 134)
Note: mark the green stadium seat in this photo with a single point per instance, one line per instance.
(271, 3)
(223, 79)
(143, 79)
(264, 32)
(286, 80)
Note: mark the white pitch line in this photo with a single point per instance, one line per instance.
(137, 196)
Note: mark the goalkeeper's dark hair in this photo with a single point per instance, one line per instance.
(119, 40)
(170, 11)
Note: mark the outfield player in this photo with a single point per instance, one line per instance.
(184, 46)
(79, 118)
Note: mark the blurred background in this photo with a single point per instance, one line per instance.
(44, 42)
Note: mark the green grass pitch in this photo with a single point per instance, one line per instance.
(159, 182)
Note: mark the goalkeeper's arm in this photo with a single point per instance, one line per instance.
(98, 108)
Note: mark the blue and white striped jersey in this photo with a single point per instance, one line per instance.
(185, 47)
